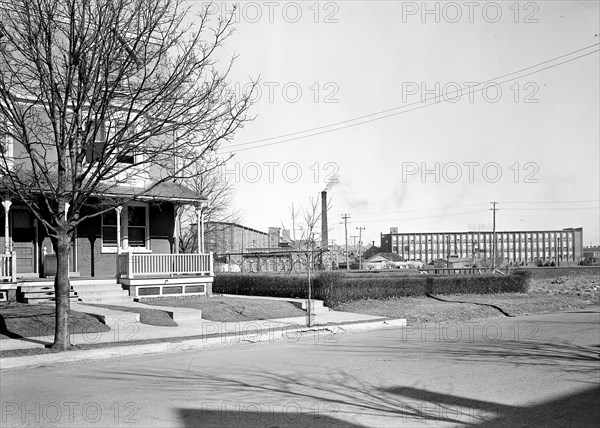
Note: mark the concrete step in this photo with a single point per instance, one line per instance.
(94, 282)
(108, 316)
(36, 299)
(179, 315)
(107, 300)
(101, 291)
(97, 293)
(318, 305)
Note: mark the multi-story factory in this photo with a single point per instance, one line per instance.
(561, 247)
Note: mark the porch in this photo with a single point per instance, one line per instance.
(136, 243)
(165, 275)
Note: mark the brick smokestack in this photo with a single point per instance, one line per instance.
(324, 235)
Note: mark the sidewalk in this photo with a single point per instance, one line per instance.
(130, 337)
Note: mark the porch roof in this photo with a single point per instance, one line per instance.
(165, 191)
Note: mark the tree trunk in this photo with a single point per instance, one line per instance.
(62, 289)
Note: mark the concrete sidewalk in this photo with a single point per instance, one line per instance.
(130, 337)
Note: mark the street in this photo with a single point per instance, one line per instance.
(538, 370)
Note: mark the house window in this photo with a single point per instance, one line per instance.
(94, 149)
(109, 229)
(127, 156)
(137, 225)
(134, 227)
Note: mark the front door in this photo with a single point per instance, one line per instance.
(23, 236)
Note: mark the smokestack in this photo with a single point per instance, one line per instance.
(324, 235)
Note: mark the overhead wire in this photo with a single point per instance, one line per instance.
(231, 148)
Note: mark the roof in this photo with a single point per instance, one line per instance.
(392, 257)
(165, 191)
(162, 191)
(228, 224)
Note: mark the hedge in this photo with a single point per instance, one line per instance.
(338, 287)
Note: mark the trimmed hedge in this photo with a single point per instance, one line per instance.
(252, 284)
(338, 287)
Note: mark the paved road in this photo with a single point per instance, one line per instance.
(541, 370)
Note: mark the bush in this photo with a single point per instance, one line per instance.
(261, 285)
(340, 287)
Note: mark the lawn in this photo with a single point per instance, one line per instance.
(24, 320)
(231, 309)
(576, 290)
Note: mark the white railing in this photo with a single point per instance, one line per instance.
(8, 266)
(130, 265)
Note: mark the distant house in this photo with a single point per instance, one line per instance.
(591, 255)
(383, 261)
(371, 251)
(453, 263)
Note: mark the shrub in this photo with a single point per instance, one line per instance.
(340, 287)
(261, 285)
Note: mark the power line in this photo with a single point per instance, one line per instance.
(348, 121)
(552, 209)
(553, 202)
(423, 210)
(420, 217)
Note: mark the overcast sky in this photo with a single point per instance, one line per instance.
(390, 100)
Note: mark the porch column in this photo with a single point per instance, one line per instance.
(176, 235)
(6, 203)
(200, 230)
(118, 210)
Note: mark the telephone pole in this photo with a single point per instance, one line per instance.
(354, 241)
(493, 209)
(360, 229)
(346, 217)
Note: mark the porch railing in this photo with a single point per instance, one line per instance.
(8, 266)
(131, 265)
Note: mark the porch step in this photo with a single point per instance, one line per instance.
(100, 291)
(40, 293)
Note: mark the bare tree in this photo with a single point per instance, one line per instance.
(100, 93)
(309, 249)
(208, 180)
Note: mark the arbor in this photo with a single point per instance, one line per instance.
(100, 93)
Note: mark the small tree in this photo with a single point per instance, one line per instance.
(308, 249)
(100, 93)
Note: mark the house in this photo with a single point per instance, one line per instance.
(453, 263)
(134, 245)
(120, 122)
(371, 251)
(382, 261)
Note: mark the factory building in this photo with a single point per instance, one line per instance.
(532, 247)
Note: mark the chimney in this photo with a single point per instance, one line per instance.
(324, 235)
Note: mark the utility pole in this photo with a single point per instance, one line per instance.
(334, 251)
(346, 217)
(360, 229)
(293, 224)
(354, 241)
(493, 209)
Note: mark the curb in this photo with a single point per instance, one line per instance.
(291, 333)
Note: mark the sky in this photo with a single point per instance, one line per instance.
(417, 115)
